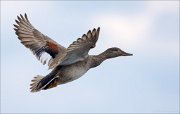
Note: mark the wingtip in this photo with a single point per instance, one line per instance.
(98, 29)
(15, 29)
(21, 15)
(26, 17)
(25, 14)
(89, 31)
(15, 25)
(84, 35)
(17, 21)
(18, 18)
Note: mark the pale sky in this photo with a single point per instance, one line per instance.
(147, 82)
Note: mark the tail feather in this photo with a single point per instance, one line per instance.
(35, 85)
(42, 83)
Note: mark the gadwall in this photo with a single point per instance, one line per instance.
(69, 63)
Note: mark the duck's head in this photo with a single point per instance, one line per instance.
(115, 52)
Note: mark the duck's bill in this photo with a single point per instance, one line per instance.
(127, 54)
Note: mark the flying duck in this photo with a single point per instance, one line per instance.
(67, 64)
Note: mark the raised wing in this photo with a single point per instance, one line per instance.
(85, 43)
(38, 43)
(78, 50)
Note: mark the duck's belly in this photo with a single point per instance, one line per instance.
(72, 73)
(77, 72)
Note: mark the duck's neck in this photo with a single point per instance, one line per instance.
(98, 59)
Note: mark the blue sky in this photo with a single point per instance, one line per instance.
(147, 82)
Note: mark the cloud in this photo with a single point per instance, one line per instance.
(133, 30)
(126, 30)
(163, 6)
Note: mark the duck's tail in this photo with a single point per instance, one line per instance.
(43, 82)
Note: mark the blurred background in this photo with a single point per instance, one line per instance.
(147, 82)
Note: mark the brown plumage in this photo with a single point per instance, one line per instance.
(35, 40)
(69, 63)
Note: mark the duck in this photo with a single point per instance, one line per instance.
(66, 64)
